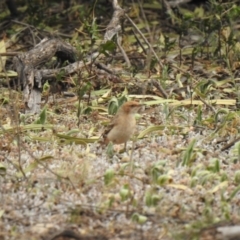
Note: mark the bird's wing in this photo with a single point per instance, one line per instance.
(110, 126)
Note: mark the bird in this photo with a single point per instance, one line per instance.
(122, 125)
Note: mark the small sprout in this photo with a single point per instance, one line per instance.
(164, 179)
(189, 154)
(138, 218)
(226, 210)
(123, 168)
(109, 176)
(166, 110)
(224, 177)
(111, 200)
(87, 110)
(196, 169)
(46, 88)
(157, 170)
(234, 193)
(236, 150)
(237, 177)
(214, 166)
(152, 199)
(110, 150)
(82, 90)
(194, 181)
(205, 176)
(207, 212)
(125, 193)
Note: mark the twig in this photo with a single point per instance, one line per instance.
(144, 17)
(227, 146)
(139, 42)
(123, 52)
(146, 41)
(159, 87)
(114, 27)
(104, 67)
(211, 107)
(9, 54)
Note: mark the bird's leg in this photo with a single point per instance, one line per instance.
(131, 157)
(125, 147)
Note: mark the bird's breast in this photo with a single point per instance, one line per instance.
(122, 132)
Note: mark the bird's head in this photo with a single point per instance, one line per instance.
(130, 107)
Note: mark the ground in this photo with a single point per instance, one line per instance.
(180, 174)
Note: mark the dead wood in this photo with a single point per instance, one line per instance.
(31, 77)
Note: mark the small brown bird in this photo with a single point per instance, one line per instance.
(123, 124)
